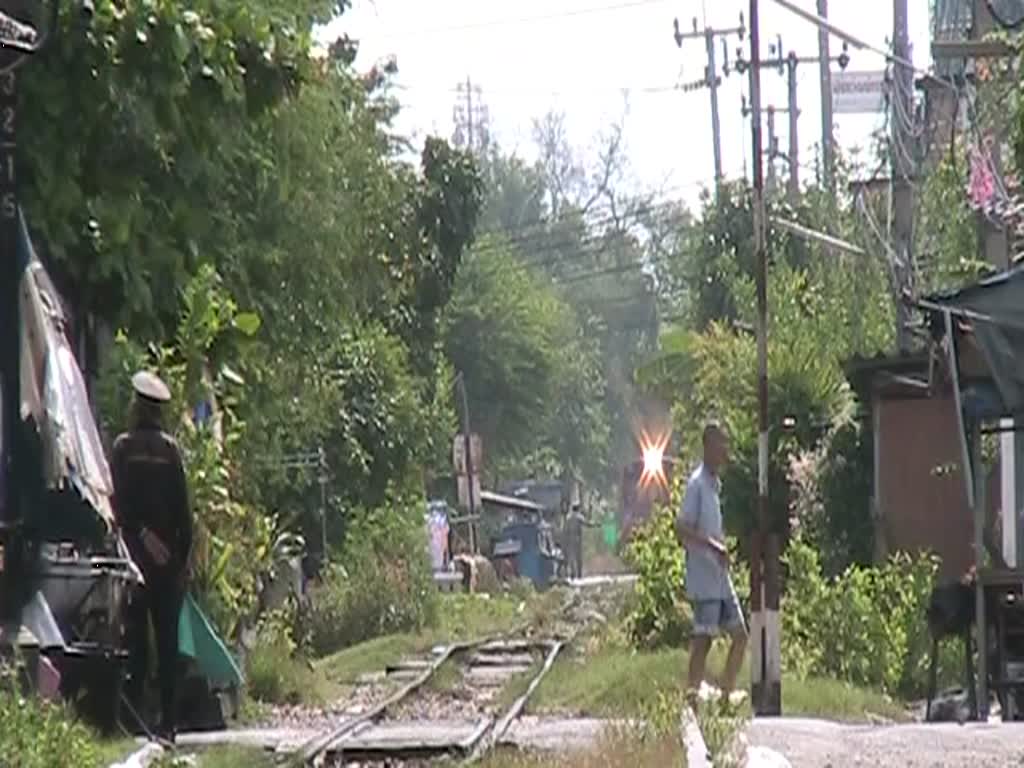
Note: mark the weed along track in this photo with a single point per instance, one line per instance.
(455, 703)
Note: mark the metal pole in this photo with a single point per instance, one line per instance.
(825, 65)
(469, 112)
(903, 214)
(794, 139)
(766, 688)
(322, 460)
(712, 78)
(469, 461)
(772, 150)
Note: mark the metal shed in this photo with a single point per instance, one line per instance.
(978, 352)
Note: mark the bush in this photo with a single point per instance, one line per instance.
(659, 614)
(382, 585)
(36, 734)
(866, 626)
(277, 674)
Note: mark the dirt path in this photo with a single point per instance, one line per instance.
(820, 744)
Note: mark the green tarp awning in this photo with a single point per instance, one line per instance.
(198, 640)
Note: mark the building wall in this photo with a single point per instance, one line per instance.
(923, 506)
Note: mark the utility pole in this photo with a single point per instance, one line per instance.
(766, 657)
(789, 65)
(471, 118)
(771, 151)
(711, 79)
(825, 65)
(794, 121)
(322, 478)
(903, 212)
(467, 442)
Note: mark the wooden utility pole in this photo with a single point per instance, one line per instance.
(711, 79)
(766, 661)
(903, 211)
(825, 64)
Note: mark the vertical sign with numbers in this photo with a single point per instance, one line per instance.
(9, 270)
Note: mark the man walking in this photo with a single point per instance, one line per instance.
(709, 588)
(151, 503)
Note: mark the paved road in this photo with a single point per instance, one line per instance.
(820, 744)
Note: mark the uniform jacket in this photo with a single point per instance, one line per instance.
(150, 492)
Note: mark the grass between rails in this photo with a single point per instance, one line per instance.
(463, 617)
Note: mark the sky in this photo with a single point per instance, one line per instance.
(598, 60)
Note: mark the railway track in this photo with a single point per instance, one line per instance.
(457, 704)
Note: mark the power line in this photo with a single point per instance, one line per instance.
(543, 231)
(557, 91)
(568, 14)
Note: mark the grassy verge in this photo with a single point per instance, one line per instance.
(619, 682)
(235, 757)
(615, 750)
(115, 750)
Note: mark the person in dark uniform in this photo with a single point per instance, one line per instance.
(574, 525)
(152, 509)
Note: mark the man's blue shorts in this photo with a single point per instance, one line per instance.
(714, 617)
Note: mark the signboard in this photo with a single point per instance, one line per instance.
(858, 92)
(459, 454)
(464, 491)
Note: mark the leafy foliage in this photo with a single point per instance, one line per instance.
(865, 626)
(123, 120)
(381, 583)
(37, 734)
(659, 614)
(232, 539)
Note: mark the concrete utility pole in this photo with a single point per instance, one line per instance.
(788, 65)
(771, 150)
(766, 657)
(903, 212)
(711, 78)
(794, 139)
(471, 117)
(467, 440)
(825, 64)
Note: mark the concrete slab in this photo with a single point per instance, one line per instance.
(405, 675)
(286, 739)
(372, 678)
(418, 665)
(412, 737)
(501, 660)
(493, 676)
(509, 646)
(555, 734)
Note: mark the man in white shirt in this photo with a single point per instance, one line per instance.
(709, 588)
